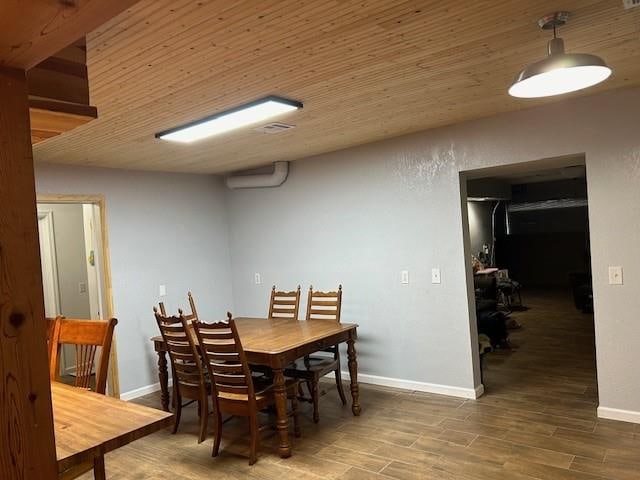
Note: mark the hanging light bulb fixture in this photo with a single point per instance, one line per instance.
(560, 72)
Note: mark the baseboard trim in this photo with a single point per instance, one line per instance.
(436, 388)
(142, 391)
(618, 414)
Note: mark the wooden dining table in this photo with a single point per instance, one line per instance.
(275, 343)
(88, 425)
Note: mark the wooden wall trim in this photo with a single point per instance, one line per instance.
(27, 435)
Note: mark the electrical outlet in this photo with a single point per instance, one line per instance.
(404, 277)
(257, 278)
(82, 287)
(615, 275)
(162, 291)
(435, 275)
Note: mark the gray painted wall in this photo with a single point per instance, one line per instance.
(163, 229)
(362, 215)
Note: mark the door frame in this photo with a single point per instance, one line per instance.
(488, 171)
(113, 381)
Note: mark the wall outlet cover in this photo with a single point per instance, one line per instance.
(257, 278)
(162, 290)
(435, 276)
(615, 275)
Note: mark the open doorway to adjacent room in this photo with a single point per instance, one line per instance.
(529, 253)
(75, 268)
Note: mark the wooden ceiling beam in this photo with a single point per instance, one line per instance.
(59, 93)
(33, 30)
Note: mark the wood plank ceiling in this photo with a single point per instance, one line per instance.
(365, 70)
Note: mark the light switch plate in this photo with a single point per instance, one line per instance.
(404, 277)
(435, 275)
(615, 275)
(257, 278)
(163, 290)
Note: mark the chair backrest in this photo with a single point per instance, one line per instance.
(186, 366)
(284, 304)
(194, 312)
(324, 305)
(88, 336)
(53, 326)
(224, 358)
(193, 316)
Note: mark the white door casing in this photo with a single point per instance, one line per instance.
(48, 263)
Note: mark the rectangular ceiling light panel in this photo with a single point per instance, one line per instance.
(238, 117)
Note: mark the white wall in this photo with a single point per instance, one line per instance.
(362, 215)
(163, 229)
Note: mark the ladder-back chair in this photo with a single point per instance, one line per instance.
(234, 390)
(189, 380)
(284, 304)
(320, 306)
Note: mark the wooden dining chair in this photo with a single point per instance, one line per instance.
(88, 336)
(53, 325)
(189, 381)
(310, 369)
(190, 317)
(193, 316)
(284, 304)
(234, 390)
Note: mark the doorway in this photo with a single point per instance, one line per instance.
(75, 266)
(527, 241)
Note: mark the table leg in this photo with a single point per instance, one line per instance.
(282, 423)
(98, 468)
(353, 373)
(163, 376)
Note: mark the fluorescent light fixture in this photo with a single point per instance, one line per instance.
(560, 72)
(247, 114)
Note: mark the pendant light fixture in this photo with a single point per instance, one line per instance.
(560, 72)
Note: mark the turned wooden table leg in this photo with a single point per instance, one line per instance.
(282, 422)
(163, 376)
(353, 373)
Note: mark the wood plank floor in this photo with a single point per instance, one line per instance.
(537, 421)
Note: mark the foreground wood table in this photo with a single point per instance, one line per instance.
(88, 425)
(276, 342)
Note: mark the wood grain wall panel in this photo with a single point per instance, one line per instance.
(28, 446)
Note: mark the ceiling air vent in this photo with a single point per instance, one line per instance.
(630, 4)
(273, 128)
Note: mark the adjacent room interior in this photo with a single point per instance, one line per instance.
(529, 238)
(321, 239)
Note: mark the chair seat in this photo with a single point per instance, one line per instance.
(311, 367)
(263, 388)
